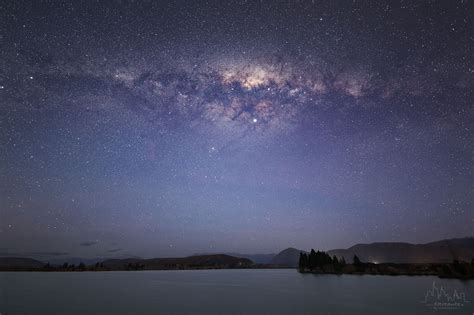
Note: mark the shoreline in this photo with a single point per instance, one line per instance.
(392, 272)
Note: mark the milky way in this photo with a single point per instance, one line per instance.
(167, 129)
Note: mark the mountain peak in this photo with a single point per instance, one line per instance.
(288, 257)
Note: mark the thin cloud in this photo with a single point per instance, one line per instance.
(114, 250)
(91, 243)
(4, 253)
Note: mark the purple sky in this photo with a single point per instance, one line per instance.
(176, 128)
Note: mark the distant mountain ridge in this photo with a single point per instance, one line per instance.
(442, 251)
(191, 262)
(256, 258)
(288, 257)
(87, 261)
(19, 263)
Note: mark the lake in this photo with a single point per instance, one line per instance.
(251, 291)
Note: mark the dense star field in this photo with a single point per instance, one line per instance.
(171, 128)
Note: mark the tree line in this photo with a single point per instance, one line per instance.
(320, 260)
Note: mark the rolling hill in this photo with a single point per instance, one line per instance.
(287, 258)
(191, 262)
(443, 251)
(19, 263)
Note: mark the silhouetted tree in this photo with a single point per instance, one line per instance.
(82, 266)
(337, 264)
(459, 267)
(312, 259)
(320, 261)
(446, 270)
(65, 265)
(356, 260)
(303, 262)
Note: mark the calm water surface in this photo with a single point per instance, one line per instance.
(222, 292)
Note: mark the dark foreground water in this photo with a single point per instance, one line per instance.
(228, 292)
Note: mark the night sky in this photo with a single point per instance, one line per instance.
(170, 128)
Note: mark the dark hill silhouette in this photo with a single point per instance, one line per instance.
(87, 261)
(256, 258)
(464, 243)
(288, 257)
(19, 263)
(197, 262)
(444, 251)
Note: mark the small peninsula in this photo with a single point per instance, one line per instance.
(320, 262)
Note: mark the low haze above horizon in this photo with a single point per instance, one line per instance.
(169, 128)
